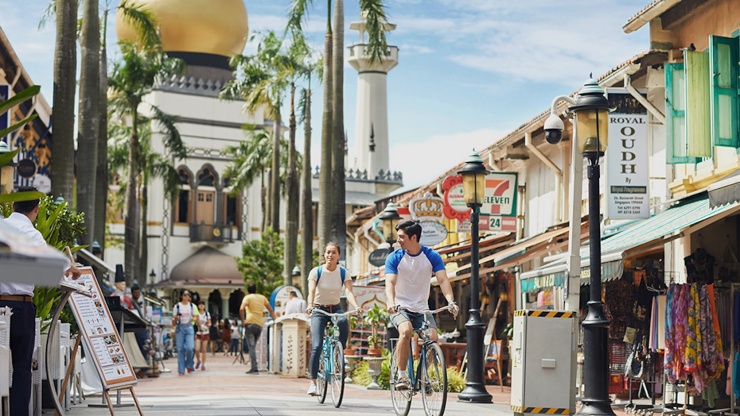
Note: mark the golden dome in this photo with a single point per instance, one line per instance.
(216, 27)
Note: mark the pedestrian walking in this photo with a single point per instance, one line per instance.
(214, 336)
(203, 322)
(251, 311)
(183, 318)
(236, 336)
(226, 337)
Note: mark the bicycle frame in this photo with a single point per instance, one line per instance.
(330, 361)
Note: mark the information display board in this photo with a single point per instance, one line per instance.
(103, 342)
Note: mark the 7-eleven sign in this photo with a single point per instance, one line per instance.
(500, 196)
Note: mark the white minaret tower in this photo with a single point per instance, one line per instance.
(371, 120)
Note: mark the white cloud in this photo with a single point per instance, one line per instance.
(423, 161)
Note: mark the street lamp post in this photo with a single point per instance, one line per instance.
(390, 217)
(474, 177)
(592, 124)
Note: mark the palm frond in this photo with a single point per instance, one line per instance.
(172, 139)
(144, 22)
(375, 19)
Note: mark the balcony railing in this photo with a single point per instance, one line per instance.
(213, 233)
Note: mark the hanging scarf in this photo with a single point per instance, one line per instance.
(692, 356)
(669, 333)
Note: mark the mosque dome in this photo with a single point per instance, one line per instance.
(215, 27)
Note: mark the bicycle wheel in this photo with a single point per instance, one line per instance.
(401, 399)
(336, 378)
(434, 381)
(321, 377)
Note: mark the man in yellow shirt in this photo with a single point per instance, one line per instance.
(254, 305)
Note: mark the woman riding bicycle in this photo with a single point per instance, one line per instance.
(408, 277)
(325, 284)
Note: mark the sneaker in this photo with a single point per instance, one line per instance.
(312, 390)
(197, 365)
(402, 383)
(203, 368)
(189, 370)
(180, 374)
(253, 371)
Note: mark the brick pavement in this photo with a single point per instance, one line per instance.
(225, 389)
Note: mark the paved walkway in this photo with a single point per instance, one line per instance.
(224, 389)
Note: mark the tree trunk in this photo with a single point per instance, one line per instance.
(101, 185)
(65, 74)
(144, 240)
(339, 214)
(291, 204)
(325, 192)
(131, 232)
(89, 121)
(306, 200)
(275, 176)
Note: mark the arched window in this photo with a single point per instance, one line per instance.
(183, 204)
(232, 206)
(205, 196)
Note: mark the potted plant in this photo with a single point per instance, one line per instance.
(375, 317)
(351, 345)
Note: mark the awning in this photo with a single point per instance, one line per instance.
(208, 266)
(725, 191)
(519, 247)
(654, 231)
(556, 273)
(97, 262)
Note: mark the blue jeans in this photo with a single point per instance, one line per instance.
(252, 334)
(22, 335)
(318, 323)
(185, 337)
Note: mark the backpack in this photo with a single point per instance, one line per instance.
(192, 312)
(342, 273)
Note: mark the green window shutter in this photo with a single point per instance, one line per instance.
(698, 122)
(723, 88)
(675, 96)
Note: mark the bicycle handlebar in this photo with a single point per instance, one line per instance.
(334, 314)
(426, 311)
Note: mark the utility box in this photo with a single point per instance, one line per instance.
(543, 355)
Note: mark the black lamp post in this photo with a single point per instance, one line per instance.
(390, 217)
(592, 125)
(152, 276)
(474, 182)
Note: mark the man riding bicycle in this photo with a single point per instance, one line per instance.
(408, 277)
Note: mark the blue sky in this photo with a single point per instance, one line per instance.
(469, 71)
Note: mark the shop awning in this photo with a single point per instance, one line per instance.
(519, 248)
(652, 232)
(725, 191)
(555, 274)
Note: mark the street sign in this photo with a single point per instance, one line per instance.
(432, 233)
(377, 257)
(497, 223)
(500, 195)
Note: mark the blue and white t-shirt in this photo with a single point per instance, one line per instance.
(414, 275)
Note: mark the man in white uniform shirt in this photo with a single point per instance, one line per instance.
(19, 298)
(408, 277)
(295, 304)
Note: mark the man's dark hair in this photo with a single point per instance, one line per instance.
(292, 293)
(252, 288)
(411, 228)
(24, 207)
(135, 287)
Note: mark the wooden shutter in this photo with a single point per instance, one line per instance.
(698, 121)
(675, 97)
(723, 90)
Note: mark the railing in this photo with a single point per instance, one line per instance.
(216, 233)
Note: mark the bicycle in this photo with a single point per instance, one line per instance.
(331, 362)
(430, 376)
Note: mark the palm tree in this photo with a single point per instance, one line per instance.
(332, 131)
(306, 197)
(261, 80)
(142, 64)
(89, 121)
(251, 158)
(338, 210)
(101, 185)
(65, 67)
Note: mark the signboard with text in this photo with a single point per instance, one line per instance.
(628, 175)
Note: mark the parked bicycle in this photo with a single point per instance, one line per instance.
(429, 377)
(331, 363)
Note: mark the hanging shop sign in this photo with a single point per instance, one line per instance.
(427, 208)
(432, 233)
(26, 168)
(454, 207)
(628, 175)
(500, 196)
(377, 257)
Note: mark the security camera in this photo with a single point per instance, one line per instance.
(554, 129)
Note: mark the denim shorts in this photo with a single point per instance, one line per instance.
(416, 319)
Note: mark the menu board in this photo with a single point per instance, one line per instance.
(99, 332)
